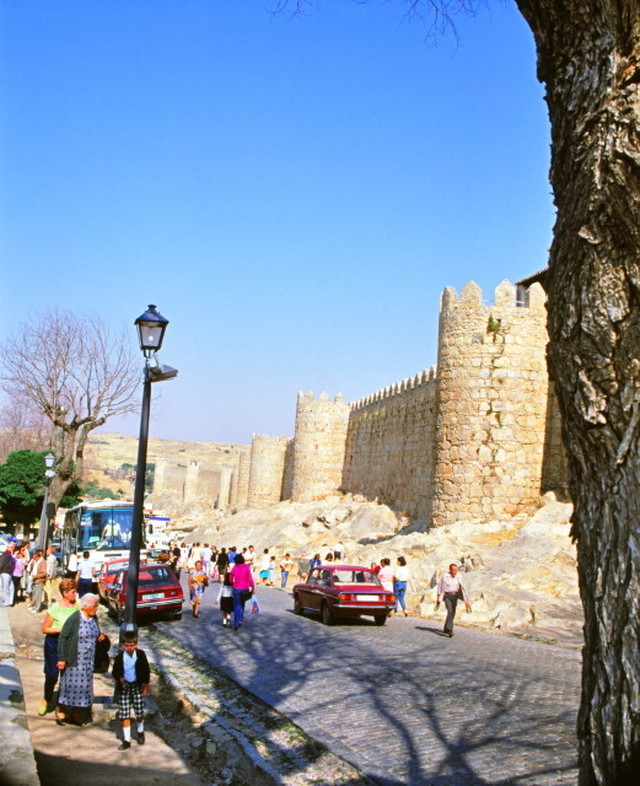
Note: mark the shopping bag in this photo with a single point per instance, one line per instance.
(255, 606)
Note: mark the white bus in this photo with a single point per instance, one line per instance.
(102, 528)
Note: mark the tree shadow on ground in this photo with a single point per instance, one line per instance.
(432, 718)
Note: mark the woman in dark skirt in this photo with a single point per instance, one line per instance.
(57, 614)
(76, 657)
(225, 598)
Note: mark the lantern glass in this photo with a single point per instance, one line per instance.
(151, 327)
(49, 460)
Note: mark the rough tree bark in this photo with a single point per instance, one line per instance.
(75, 374)
(589, 60)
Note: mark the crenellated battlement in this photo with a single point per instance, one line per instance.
(422, 379)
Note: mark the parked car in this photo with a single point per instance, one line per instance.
(343, 591)
(159, 593)
(107, 575)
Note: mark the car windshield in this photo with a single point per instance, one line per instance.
(355, 577)
(159, 575)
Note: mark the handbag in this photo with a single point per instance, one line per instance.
(101, 660)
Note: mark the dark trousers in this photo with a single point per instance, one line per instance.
(84, 586)
(450, 603)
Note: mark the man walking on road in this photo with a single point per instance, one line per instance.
(450, 589)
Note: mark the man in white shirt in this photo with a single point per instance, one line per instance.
(450, 588)
(85, 574)
(51, 584)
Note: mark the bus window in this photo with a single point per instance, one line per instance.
(105, 528)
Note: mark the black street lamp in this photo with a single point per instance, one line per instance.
(151, 328)
(43, 532)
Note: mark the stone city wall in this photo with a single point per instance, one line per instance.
(389, 449)
(477, 438)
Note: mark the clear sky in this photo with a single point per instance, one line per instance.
(293, 194)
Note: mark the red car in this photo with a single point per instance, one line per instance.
(343, 591)
(159, 592)
(108, 572)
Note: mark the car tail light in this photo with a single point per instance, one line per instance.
(344, 596)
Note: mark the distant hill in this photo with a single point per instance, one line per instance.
(110, 458)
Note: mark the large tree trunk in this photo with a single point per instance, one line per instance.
(589, 59)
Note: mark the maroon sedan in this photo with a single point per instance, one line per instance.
(159, 592)
(107, 576)
(335, 591)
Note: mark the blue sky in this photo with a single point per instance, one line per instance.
(293, 194)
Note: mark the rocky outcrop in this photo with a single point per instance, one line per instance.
(520, 571)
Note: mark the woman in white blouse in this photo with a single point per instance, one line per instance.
(400, 579)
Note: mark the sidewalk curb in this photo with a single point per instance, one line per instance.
(17, 760)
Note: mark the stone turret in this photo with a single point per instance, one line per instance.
(492, 393)
(267, 470)
(319, 446)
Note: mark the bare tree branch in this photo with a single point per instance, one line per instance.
(76, 374)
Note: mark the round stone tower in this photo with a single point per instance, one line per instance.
(267, 470)
(492, 394)
(319, 446)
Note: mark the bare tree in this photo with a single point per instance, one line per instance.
(73, 372)
(23, 429)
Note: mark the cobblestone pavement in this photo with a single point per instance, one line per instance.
(402, 703)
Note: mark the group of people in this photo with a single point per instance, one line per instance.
(72, 634)
(394, 580)
(232, 568)
(29, 576)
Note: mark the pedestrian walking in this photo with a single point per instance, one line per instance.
(198, 580)
(38, 579)
(132, 675)
(57, 614)
(265, 562)
(385, 574)
(225, 598)
(451, 589)
(400, 579)
(243, 587)
(76, 657)
(286, 566)
(7, 564)
(222, 561)
(50, 585)
(85, 574)
(19, 568)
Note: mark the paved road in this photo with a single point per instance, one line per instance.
(402, 703)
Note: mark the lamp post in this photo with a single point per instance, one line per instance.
(151, 328)
(49, 461)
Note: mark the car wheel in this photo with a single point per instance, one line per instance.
(297, 604)
(380, 619)
(326, 615)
